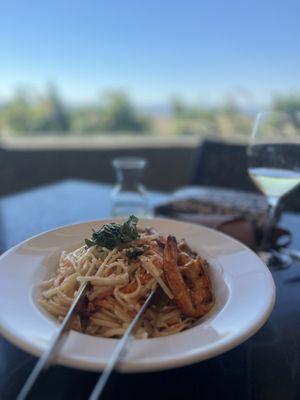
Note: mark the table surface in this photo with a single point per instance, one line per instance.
(266, 366)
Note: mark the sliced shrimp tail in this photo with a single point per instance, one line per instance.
(175, 279)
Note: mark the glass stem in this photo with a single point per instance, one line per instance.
(272, 208)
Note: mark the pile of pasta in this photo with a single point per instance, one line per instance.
(119, 282)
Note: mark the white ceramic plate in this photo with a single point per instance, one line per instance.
(243, 286)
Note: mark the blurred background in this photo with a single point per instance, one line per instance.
(83, 82)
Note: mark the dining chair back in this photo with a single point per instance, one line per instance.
(224, 165)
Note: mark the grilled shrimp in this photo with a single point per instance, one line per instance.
(193, 295)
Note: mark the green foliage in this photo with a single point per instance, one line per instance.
(225, 120)
(31, 114)
(17, 115)
(119, 114)
(86, 119)
(178, 107)
(290, 105)
(56, 117)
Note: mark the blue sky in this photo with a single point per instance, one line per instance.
(202, 50)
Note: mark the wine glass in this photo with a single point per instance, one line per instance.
(274, 166)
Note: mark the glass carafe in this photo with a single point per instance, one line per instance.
(129, 195)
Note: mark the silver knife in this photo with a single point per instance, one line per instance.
(46, 358)
(121, 346)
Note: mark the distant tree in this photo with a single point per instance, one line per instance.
(27, 113)
(182, 110)
(178, 107)
(119, 114)
(230, 106)
(290, 105)
(16, 115)
(86, 119)
(56, 117)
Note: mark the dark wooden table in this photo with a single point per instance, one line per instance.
(267, 366)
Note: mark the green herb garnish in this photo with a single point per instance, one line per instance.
(113, 235)
(89, 243)
(133, 253)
